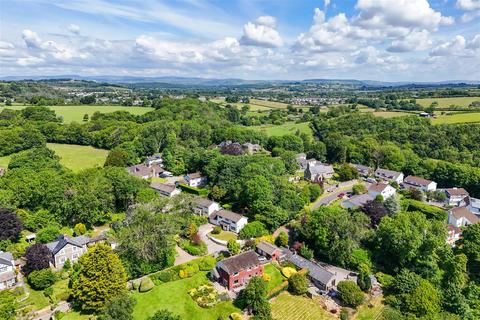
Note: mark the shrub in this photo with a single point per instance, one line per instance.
(206, 264)
(297, 284)
(385, 279)
(344, 314)
(48, 234)
(48, 292)
(306, 252)
(266, 277)
(194, 250)
(288, 272)
(236, 316)
(146, 285)
(79, 229)
(233, 246)
(282, 239)
(41, 279)
(253, 229)
(350, 293)
(205, 295)
(216, 230)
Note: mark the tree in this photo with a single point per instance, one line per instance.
(350, 293)
(79, 229)
(41, 279)
(346, 172)
(85, 117)
(100, 279)
(255, 298)
(298, 284)
(164, 315)
(376, 211)
(363, 279)
(415, 194)
(253, 229)
(282, 239)
(10, 225)
(424, 300)
(392, 205)
(470, 246)
(7, 305)
(48, 234)
(233, 246)
(306, 252)
(38, 257)
(118, 158)
(359, 188)
(119, 308)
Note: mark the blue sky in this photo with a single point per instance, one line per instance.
(394, 40)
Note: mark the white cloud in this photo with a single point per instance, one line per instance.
(414, 41)
(458, 47)
(262, 33)
(73, 28)
(7, 49)
(468, 5)
(326, 3)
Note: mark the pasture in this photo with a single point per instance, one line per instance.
(447, 102)
(289, 307)
(457, 118)
(259, 105)
(283, 129)
(76, 113)
(77, 157)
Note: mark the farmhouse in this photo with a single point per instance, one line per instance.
(228, 220)
(455, 196)
(317, 171)
(67, 248)
(195, 179)
(235, 272)
(268, 250)
(204, 206)
(382, 189)
(7, 270)
(166, 190)
(419, 183)
(357, 201)
(318, 275)
(362, 170)
(389, 175)
(461, 217)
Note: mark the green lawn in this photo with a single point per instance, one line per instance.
(457, 118)
(366, 313)
(391, 114)
(283, 129)
(289, 307)
(37, 300)
(76, 113)
(4, 161)
(224, 235)
(447, 102)
(77, 157)
(74, 315)
(174, 297)
(276, 276)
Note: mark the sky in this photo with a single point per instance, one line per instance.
(385, 40)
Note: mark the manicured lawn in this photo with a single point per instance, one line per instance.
(37, 300)
(366, 313)
(283, 129)
(174, 297)
(289, 307)
(76, 113)
(457, 118)
(77, 157)
(447, 102)
(224, 235)
(276, 276)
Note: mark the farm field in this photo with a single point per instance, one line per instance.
(77, 157)
(286, 128)
(385, 114)
(259, 105)
(174, 297)
(289, 307)
(447, 102)
(76, 113)
(457, 118)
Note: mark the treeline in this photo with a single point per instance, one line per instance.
(448, 154)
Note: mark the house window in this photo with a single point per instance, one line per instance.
(235, 281)
(62, 260)
(235, 273)
(74, 256)
(74, 249)
(62, 251)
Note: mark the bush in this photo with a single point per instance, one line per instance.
(79, 229)
(253, 229)
(205, 295)
(288, 272)
(216, 230)
(306, 252)
(350, 293)
(48, 234)
(233, 246)
(266, 277)
(206, 264)
(146, 285)
(41, 279)
(236, 316)
(191, 248)
(359, 188)
(344, 314)
(297, 284)
(282, 239)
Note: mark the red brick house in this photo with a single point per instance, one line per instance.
(268, 250)
(235, 272)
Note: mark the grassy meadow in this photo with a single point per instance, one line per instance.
(286, 128)
(77, 157)
(447, 102)
(457, 118)
(76, 113)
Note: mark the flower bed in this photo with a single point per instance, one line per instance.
(205, 296)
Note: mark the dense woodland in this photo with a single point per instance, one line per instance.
(403, 242)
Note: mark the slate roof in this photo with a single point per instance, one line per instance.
(168, 188)
(235, 217)
(267, 247)
(239, 262)
(203, 202)
(378, 187)
(463, 212)
(417, 181)
(195, 175)
(457, 192)
(389, 174)
(316, 272)
(360, 200)
(6, 258)
(473, 202)
(361, 167)
(319, 168)
(63, 240)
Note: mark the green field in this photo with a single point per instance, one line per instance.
(77, 157)
(174, 297)
(76, 113)
(447, 102)
(4, 161)
(457, 118)
(370, 310)
(286, 128)
(259, 105)
(288, 307)
(385, 114)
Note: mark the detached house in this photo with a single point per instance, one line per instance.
(7, 270)
(357, 201)
(389, 175)
(195, 179)
(473, 205)
(383, 189)
(205, 207)
(236, 272)
(455, 196)
(419, 183)
(166, 190)
(228, 220)
(317, 171)
(145, 172)
(461, 217)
